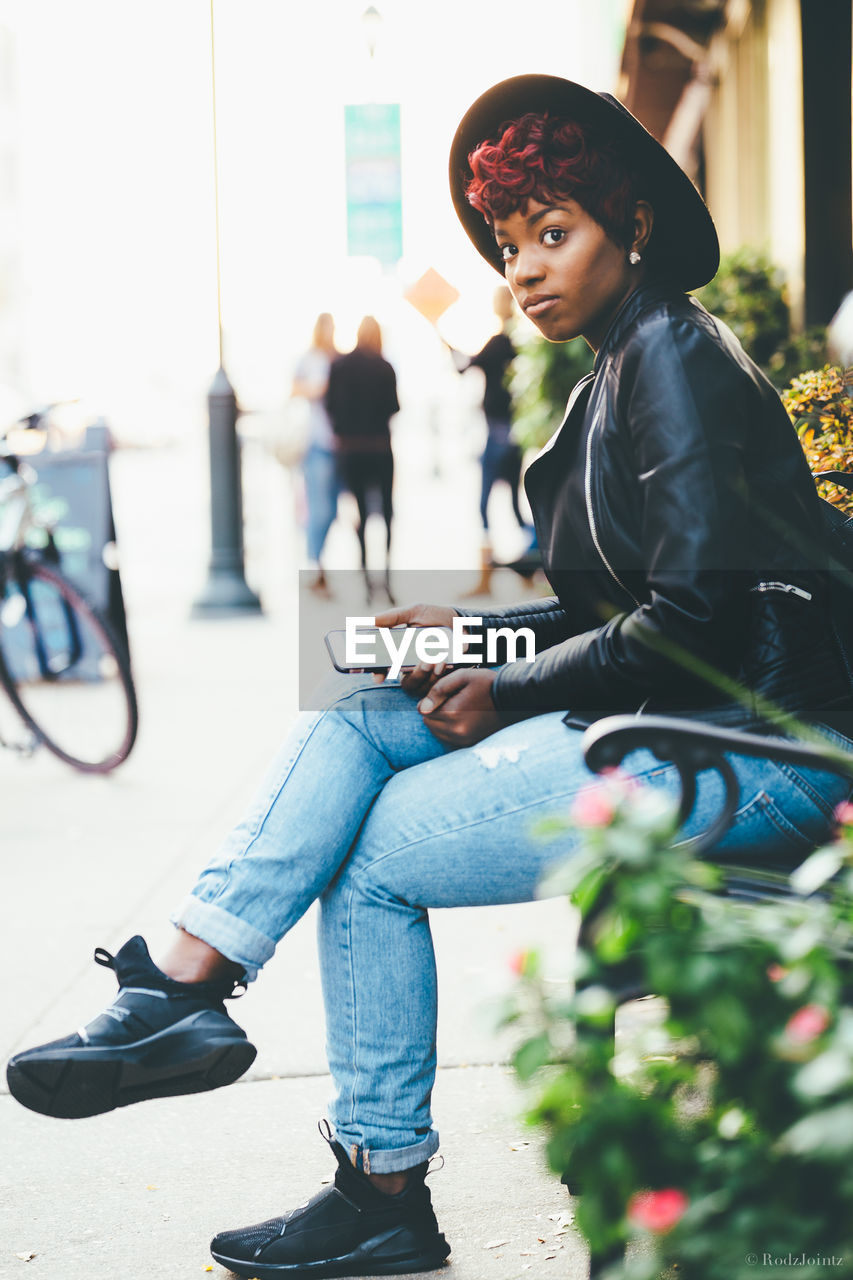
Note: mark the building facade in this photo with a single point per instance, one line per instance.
(753, 98)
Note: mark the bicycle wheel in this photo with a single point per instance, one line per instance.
(67, 676)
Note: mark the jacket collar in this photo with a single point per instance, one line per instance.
(648, 295)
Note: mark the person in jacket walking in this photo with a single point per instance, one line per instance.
(501, 457)
(361, 400)
(681, 535)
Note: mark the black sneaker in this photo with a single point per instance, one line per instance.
(159, 1038)
(348, 1229)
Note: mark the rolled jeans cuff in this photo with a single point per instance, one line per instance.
(230, 936)
(373, 1160)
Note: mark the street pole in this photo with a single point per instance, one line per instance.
(225, 591)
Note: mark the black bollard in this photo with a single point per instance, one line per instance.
(225, 591)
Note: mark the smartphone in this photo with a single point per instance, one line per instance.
(400, 650)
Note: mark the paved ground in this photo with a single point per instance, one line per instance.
(89, 861)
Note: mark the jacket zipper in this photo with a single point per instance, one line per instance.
(787, 587)
(590, 515)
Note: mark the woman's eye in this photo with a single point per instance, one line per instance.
(553, 235)
(507, 251)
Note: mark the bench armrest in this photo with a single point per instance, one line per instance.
(692, 745)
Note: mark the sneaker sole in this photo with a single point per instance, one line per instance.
(364, 1261)
(351, 1265)
(89, 1081)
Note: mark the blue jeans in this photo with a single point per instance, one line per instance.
(367, 811)
(322, 486)
(501, 460)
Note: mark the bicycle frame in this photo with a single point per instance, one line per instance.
(17, 514)
(54, 660)
(14, 509)
(17, 518)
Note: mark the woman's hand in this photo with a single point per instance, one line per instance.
(420, 679)
(418, 615)
(458, 709)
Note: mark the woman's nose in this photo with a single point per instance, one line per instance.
(528, 266)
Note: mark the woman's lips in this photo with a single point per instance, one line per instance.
(539, 304)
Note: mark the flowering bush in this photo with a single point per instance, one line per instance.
(820, 405)
(657, 1211)
(723, 1136)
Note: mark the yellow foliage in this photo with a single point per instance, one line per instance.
(820, 405)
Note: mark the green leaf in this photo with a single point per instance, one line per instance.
(816, 870)
(798, 943)
(827, 1072)
(828, 1132)
(628, 844)
(586, 893)
(531, 1056)
(596, 1004)
(614, 935)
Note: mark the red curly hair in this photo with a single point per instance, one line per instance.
(547, 159)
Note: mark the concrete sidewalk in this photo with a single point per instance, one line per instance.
(90, 861)
(138, 1194)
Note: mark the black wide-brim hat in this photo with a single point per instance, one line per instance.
(684, 241)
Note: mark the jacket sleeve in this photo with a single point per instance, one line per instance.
(546, 619)
(388, 394)
(332, 398)
(684, 405)
(392, 404)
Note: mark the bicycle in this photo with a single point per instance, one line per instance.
(61, 665)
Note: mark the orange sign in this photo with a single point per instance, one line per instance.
(431, 295)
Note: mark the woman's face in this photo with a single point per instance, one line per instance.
(564, 271)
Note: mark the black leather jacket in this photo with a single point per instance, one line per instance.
(681, 533)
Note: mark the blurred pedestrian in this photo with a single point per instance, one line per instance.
(361, 400)
(501, 457)
(320, 463)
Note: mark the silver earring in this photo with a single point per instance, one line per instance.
(634, 258)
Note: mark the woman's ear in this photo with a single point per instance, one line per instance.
(644, 218)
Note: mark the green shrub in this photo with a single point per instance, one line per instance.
(728, 1135)
(541, 380)
(748, 294)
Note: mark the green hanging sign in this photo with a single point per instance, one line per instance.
(373, 181)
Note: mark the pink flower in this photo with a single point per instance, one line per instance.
(617, 774)
(844, 814)
(775, 972)
(807, 1024)
(657, 1211)
(518, 962)
(593, 807)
